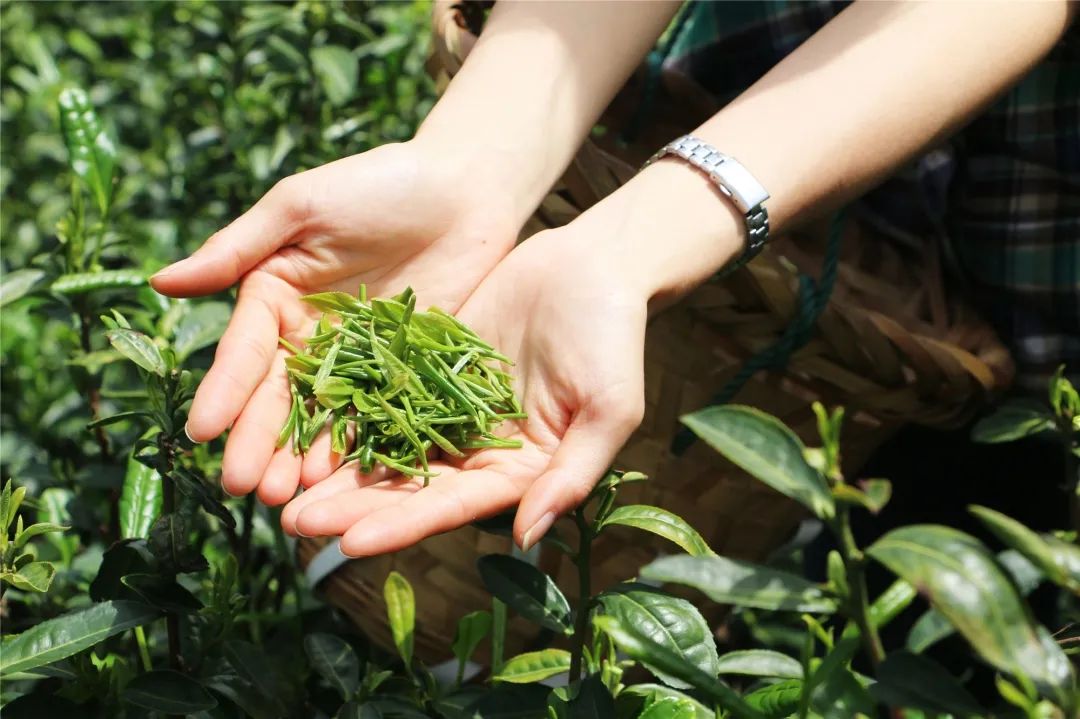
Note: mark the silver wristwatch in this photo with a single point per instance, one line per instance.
(734, 180)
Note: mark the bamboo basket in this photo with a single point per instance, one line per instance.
(892, 346)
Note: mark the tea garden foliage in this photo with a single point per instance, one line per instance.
(132, 587)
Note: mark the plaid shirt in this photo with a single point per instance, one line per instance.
(1005, 192)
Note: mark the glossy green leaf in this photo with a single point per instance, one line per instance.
(140, 500)
(641, 648)
(762, 446)
(661, 522)
(335, 661)
(18, 283)
(36, 530)
(729, 581)
(169, 692)
(1012, 421)
(337, 70)
(526, 590)
(32, 577)
(669, 708)
(871, 494)
(471, 630)
(55, 639)
(534, 666)
(963, 582)
(667, 621)
(91, 152)
(658, 692)
(1058, 560)
(777, 700)
(401, 610)
(200, 327)
(138, 348)
(916, 682)
(79, 283)
(760, 663)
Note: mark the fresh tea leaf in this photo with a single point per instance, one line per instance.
(335, 661)
(1058, 560)
(401, 610)
(471, 631)
(138, 348)
(760, 663)
(534, 666)
(91, 152)
(140, 500)
(660, 522)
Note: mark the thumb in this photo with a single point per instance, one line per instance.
(583, 456)
(231, 252)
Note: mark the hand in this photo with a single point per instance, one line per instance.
(391, 217)
(576, 330)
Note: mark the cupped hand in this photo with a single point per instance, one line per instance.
(576, 331)
(391, 217)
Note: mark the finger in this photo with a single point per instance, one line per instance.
(320, 461)
(344, 479)
(242, 360)
(281, 478)
(253, 438)
(231, 252)
(453, 499)
(332, 517)
(584, 454)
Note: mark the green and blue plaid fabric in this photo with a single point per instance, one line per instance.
(1005, 192)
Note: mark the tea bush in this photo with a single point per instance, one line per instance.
(132, 587)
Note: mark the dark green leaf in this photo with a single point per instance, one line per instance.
(138, 348)
(963, 582)
(777, 700)
(915, 682)
(168, 692)
(401, 611)
(526, 590)
(337, 70)
(872, 494)
(55, 639)
(762, 446)
(249, 662)
(17, 284)
(534, 666)
(760, 663)
(1012, 421)
(668, 621)
(165, 594)
(741, 583)
(653, 693)
(91, 152)
(140, 500)
(590, 700)
(1058, 560)
(222, 678)
(661, 522)
(335, 661)
(200, 327)
(471, 630)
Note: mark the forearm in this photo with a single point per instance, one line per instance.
(877, 85)
(533, 86)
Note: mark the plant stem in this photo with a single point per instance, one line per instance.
(858, 601)
(168, 506)
(583, 560)
(144, 650)
(498, 634)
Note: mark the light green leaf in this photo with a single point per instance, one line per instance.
(32, 577)
(140, 500)
(526, 590)
(669, 708)
(335, 661)
(200, 327)
(17, 284)
(762, 446)
(668, 621)
(338, 72)
(471, 630)
(729, 581)
(659, 692)
(661, 522)
(401, 610)
(534, 666)
(91, 152)
(871, 494)
(138, 348)
(36, 530)
(962, 581)
(55, 639)
(1058, 560)
(760, 663)
(168, 692)
(79, 283)
(1012, 421)
(915, 682)
(777, 700)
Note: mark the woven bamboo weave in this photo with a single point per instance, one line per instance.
(893, 346)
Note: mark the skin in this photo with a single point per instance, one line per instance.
(570, 305)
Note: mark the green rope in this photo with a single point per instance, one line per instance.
(813, 298)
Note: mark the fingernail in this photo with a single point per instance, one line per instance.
(536, 532)
(168, 270)
(342, 552)
(188, 435)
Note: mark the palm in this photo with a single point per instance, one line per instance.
(577, 341)
(380, 219)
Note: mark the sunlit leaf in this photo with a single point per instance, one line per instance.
(200, 327)
(91, 152)
(401, 610)
(534, 666)
(661, 522)
(18, 283)
(1013, 420)
(760, 663)
(337, 70)
(140, 500)
(138, 348)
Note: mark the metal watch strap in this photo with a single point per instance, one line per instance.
(733, 180)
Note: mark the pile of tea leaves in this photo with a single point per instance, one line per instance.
(403, 381)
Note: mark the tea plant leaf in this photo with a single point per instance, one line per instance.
(526, 590)
(138, 348)
(642, 649)
(963, 582)
(337, 70)
(55, 639)
(19, 283)
(32, 577)
(36, 530)
(250, 664)
(165, 594)
(761, 445)
(223, 679)
(659, 692)
(200, 327)
(471, 630)
(401, 610)
(80, 283)
(871, 494)
(1013, 420)
(91, 152)
(1058, 560)
(335, 661)
(914, 682)
(760, 663)
(534, 666)
(729, 581)
(359, 710)
(669, 708)
(777, 700)
(590, 699)
(168, 692)
(667, 621)
(661, 522)
(140, 500)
